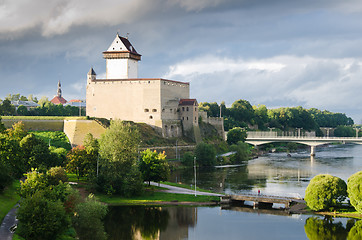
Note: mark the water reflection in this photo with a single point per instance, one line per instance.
(329, 228)
(139, 222)
(276, 173)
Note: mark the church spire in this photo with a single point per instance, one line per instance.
(59, 92)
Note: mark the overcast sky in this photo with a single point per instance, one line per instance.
(279, 53)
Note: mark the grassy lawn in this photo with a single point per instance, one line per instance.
(42, 118)
(186, 186)
(8, 199)
(154, 197)
(72, 177)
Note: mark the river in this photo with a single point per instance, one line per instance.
(274, 174)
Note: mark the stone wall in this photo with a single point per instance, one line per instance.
(76, 130)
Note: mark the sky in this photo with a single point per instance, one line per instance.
(279, 53)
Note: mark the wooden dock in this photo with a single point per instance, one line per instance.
(262, 201)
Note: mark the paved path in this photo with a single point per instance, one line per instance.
(172, 189)
(9, 221)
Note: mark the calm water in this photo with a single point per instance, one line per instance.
(274, 174)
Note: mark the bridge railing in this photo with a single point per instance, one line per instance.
(269, 134)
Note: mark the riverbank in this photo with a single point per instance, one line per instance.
(165, 195)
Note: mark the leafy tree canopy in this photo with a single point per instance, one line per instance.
(235, 135)
(325, 191)
(154, 166)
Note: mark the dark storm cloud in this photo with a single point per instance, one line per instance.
(279, 52)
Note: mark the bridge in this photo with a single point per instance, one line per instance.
(262, 201)
(260, 138)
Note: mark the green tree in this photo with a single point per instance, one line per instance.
(344, 131)
(41, 218)
(33, 183)
(37, 152)
(11, 156)
(235, 135)
(6, 108)
(154, 166)
(88, 218)
(242, 152)
(32, 98)
(76, 161)
(56, 175)
(325, 191)
(354, 190)
(205, 154)
(188, 159)
(2, 127)
(22, 110)
(118, 150)
(17, 131)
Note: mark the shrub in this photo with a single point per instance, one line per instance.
(188, 159)
(87, 219)
(354, 190)
(40, 218)
(205, 154)
(235, 135)
(325, 191)
(57, 174)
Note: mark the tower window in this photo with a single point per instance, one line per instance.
(187, 108)
(154, 110)
(187, 118)
(183, 109)
(146, 110)
(151, 117)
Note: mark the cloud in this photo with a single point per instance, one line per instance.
(324, 83)
(57, 17)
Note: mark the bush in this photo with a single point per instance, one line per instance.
(87, 219)
(242, 152)
(205, 154)
(325, 191)
(354, 190)
(235, 135)
(40, 218)
(57, 174)
(188, 159)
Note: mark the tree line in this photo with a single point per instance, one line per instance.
(46, 108)
(243, 114)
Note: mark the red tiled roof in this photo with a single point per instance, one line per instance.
(187, 102)
(74, 100)
(58, 100)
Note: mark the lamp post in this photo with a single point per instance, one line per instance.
(195, 173)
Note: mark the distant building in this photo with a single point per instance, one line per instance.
(58, 99)
(76, 103)
(27, 104)
(162, 103)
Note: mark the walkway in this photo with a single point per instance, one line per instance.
(173, 189)
(9, 221)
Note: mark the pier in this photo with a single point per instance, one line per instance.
(262, 201)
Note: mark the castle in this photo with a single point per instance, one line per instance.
(162, 103)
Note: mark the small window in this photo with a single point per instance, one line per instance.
(149, 81)
(163, 110)
(183, 118)
(183, 109)
(187, 108)
(146, 110)
(154, 110)
(170, 109)
(187, 118)
(151, 117)
(195, 109)
(116, 41)
(113, 48)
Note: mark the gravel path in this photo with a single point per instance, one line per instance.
(9, 221)
(172, 189)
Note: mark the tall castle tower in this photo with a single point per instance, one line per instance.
(121, 59)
